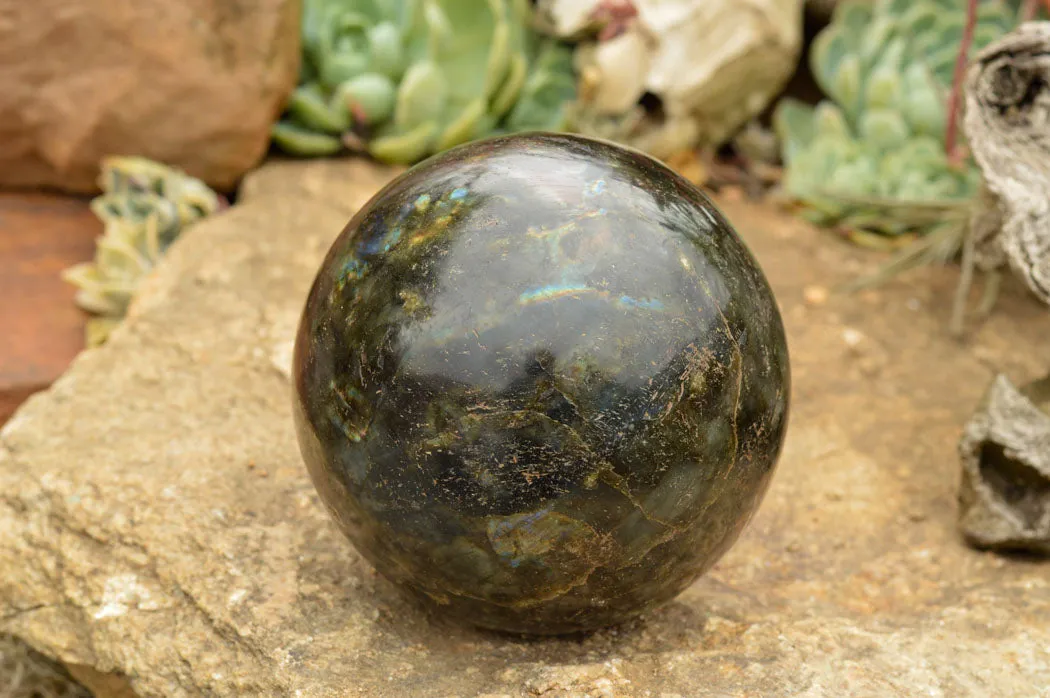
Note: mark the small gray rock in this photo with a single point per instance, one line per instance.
(1004, 498)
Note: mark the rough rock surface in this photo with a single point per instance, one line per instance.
(194, 84)
(1004, 496)
(156, 521)
(712, 65)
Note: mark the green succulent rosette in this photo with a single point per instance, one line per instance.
(871, 157)
(409, 78)
(144, 207)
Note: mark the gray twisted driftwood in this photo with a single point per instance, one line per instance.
(1004, 496)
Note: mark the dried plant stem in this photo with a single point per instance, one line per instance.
(962, 291)
(951, 145)
(993, 279)
(1029, 9)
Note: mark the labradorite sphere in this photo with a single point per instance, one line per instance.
(541, 383)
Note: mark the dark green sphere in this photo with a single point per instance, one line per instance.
(541, 383)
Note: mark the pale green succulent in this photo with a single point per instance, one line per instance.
(144, 207)
(872, 156)
(408, 78)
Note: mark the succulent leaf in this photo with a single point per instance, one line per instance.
(308, 106)
(917, 18)
(464, 127)
(846, 86)
(384, 44)
(853, 17)
(879, 34)
(404, 147)
(438, 28)
(829, 119)
(498, 59)
(883, 129)
(794, 127)
(510, 91)
(299, 140)
(883, 90)
(922, 101)
(340, 67)
(827, 52)
(422, 96)
(370, 96)
(544, 97)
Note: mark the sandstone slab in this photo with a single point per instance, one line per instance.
(193, 84)
(156, 522)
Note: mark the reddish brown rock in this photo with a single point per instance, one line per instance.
(194, 84)
(42, 329)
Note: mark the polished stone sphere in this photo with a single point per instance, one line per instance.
(541, 383)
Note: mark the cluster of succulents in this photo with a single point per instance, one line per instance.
(872, 156)
(403, 79)
(144, 206)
